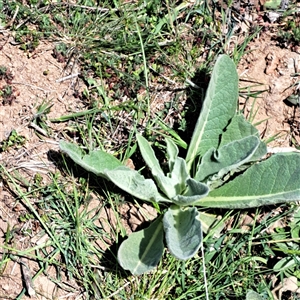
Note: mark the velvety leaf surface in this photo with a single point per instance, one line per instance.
(149, 155)
(179, 175)
(135, 184)
(96, 161)
(143, 249)
(183, 231)
(172, 151)
(218, 108)
(275, 180)
(227, 158)
(166, 184)
(240, 128)
(195, 190)
(174, 183)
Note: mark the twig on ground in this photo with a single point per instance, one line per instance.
(27, 278)
(67, 77)
(281, 150)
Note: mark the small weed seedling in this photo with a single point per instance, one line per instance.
(223, 168)
(7, 92)
(39, 122)
(13, 140)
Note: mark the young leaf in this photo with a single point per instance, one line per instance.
(179, 176)
(227, 158)
(183, 231)
(135, 184)
(96, 161)
(179, 141)
(172, 151)
(240, 128)
(218, 108)
(275, 180)
(143, 249)
(149, 156)
(170, 186)
(195, 191)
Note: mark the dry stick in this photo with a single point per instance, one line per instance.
(67, 77)
(87, 7)
(101, 9)
(282, 150)
(164, 77)
(28, 166)
(39, 129)
(192, 84)
(277, 241)
(27, 278)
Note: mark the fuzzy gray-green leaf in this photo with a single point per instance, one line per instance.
(166, 184)
(275, 180)
(183, 231)
(149, 155)
(227, 158)
(96, 161)
(218, 108)
(240, 128)
(179, 175)
(172, 151)
(135, 184)
(195, 191)
(143, 249)
(169, 185)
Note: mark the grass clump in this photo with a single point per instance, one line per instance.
(78, 240)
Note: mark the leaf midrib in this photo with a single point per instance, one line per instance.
(149, 245)
(246, 197)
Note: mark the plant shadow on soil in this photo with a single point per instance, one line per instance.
(193, 105)
(109, 256)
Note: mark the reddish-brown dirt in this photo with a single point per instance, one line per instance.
(268, 67)
(35, 79)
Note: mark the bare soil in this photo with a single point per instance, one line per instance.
(269, 67)
(35, 79)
